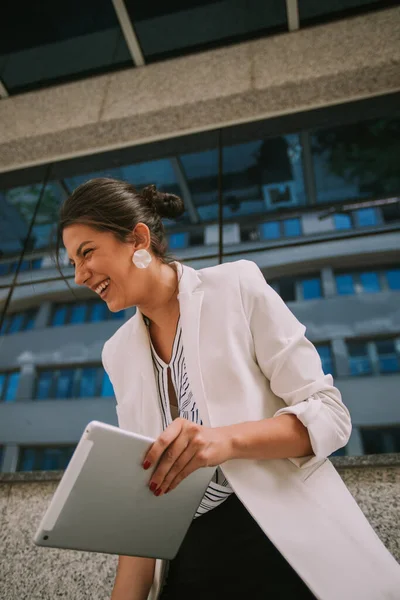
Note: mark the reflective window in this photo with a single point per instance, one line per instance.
(98, 312)
(354, 161)
(183, 27)
(59, 315)
(366, 217)
(106, 387)
(393, 279)
(292, 227)
(178, 241)
(325, 354)
(370, 282)
(43, 458)
(78, 312)
(21, 321)
(287, 289)
(342, 221)
(360, 363)
(44, 385)
(9, 386)
(270, 230)
(311, 288)
(380, 440)
(64, 383)
(87, 387)
(344, 285)
(314, 9)
(51, 45)
(389, 359)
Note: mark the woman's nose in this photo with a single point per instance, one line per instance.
(81, 275)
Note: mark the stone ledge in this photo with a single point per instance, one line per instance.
(339, 462)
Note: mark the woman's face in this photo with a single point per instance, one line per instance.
(104, 264)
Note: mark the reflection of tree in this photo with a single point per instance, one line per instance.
(273, 163)
(25, 199)
(365, 153)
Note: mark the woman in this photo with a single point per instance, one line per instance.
(216, 368)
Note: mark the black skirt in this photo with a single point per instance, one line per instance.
(225, 554)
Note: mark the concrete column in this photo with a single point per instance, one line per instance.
(340, 357)
(43, 315)
(10, 458)
(26, 382)
(328, 282)
(373, 357)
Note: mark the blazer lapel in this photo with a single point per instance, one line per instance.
(190, 300)
(142, 363)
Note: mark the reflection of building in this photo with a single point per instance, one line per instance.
(285, 206)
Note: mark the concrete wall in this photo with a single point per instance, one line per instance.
(27, 571)
(310, 68)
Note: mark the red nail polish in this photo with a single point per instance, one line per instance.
(153, 487)
(146, 465)
(157, 492)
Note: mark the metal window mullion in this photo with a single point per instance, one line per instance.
(292, 13)
(129, 33)
(383, 282)
(308, 168)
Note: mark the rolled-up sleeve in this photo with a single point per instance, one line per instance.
(293, 367)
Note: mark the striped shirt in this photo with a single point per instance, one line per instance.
(219, 488)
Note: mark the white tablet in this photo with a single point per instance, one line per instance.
(103, 502)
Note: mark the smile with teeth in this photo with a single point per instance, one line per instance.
(103, 286)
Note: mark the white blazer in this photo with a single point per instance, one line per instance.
(247, 359)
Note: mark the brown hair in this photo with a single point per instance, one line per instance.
(117, 207)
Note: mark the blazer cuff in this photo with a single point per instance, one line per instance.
(310, 413)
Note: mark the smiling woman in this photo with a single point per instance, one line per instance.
(216, 369)
(104, 220)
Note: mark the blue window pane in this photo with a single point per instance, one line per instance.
(345, 284)
(311, 288)
(36, 263)
(16, 323)
(360, 366)
(64, 383)
(270, 231)
(78, 312)
(98, 312)
(178, 241)
(4, 268)
(370, 282)
(2, 384)
(55, 459)
(366, 217)
(30, 320)
(291, 227)
(43, 389)
(5, 325)
(389, 364)
(28, 459)
(87, 387)
(117, 315)
(59, 316)
(388, 359)
(25, 266)
(342, 221)
(325, 354)
(393, 279)
(11, 387)
(107, 388)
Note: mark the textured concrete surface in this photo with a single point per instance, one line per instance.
(32, 573)
(334, 63)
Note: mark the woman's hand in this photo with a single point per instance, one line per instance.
(181, 449)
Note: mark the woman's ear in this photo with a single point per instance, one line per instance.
(141, 237)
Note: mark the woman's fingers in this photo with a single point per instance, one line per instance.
(179, 466)
(173, 459)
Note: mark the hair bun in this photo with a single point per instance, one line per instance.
(166, 205)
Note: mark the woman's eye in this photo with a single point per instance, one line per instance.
(86, 252)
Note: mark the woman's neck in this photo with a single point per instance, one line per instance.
(163, 305)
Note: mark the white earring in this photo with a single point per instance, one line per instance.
(141, 259)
